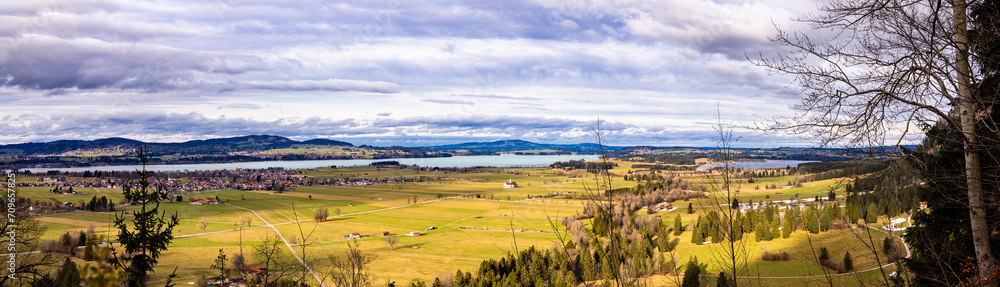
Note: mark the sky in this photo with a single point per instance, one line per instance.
(410, 73)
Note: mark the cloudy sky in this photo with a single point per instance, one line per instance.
(392, 72)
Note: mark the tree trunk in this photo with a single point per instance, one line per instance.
(973, 169)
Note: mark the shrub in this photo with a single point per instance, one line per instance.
(775, 256)
(839, 268)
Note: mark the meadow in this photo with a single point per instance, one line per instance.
(475, 218)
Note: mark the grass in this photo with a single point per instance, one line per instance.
(454, 245)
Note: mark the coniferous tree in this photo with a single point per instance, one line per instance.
(588, 264)
(220, 264)
(723, 281)
(872, 215)
(148, 234)
(848, 262)
(678, 226)
(787, 228)
(824, 254)
(663, 240)
(698, 231)
(692, 274)
(824, 221)
(68, 274)
(775, 233)
(81, 239)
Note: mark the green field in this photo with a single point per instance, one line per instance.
(473, 217)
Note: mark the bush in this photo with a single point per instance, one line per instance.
(769, 256)
(202, 281)
(839, 268)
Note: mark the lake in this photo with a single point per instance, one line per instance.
(507, 160)
(760, 164)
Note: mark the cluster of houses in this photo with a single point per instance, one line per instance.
(357, 235)
(238, 179)
(63, 191)
(554, 194)
(199, 201)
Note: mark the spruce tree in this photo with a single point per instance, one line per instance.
(663, 241)
(775, 233)
(824, 254)
(786, 229)
(692, 274)
(68, 274)
(588, 264)
(848, 262)
(678, 227)
(151, 233)
(824, 221)
(723, 280)
(697, 237)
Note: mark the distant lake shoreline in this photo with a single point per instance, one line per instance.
(759, 164)
(505, 160)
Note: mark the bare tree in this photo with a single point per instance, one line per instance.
(203, 224)
(29, 265)
(733, 254)
(306, 241)
(392, 240)
(888, 65)
(321, 214)
(351, 269)
(268, 252)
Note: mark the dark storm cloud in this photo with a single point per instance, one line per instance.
(44, 63)
(166, 125)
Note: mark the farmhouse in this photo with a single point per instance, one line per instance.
(414, 233)
(354, 235)
(385, 233)
(257, 270)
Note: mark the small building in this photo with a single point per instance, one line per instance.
(257, 270)
(235, 279)
(509, 184)
(923, 204)
(414, 233)
(354, 235)
(385, 233)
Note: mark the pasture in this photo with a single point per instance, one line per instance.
(472, 215)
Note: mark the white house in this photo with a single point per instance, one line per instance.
(509, 184)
